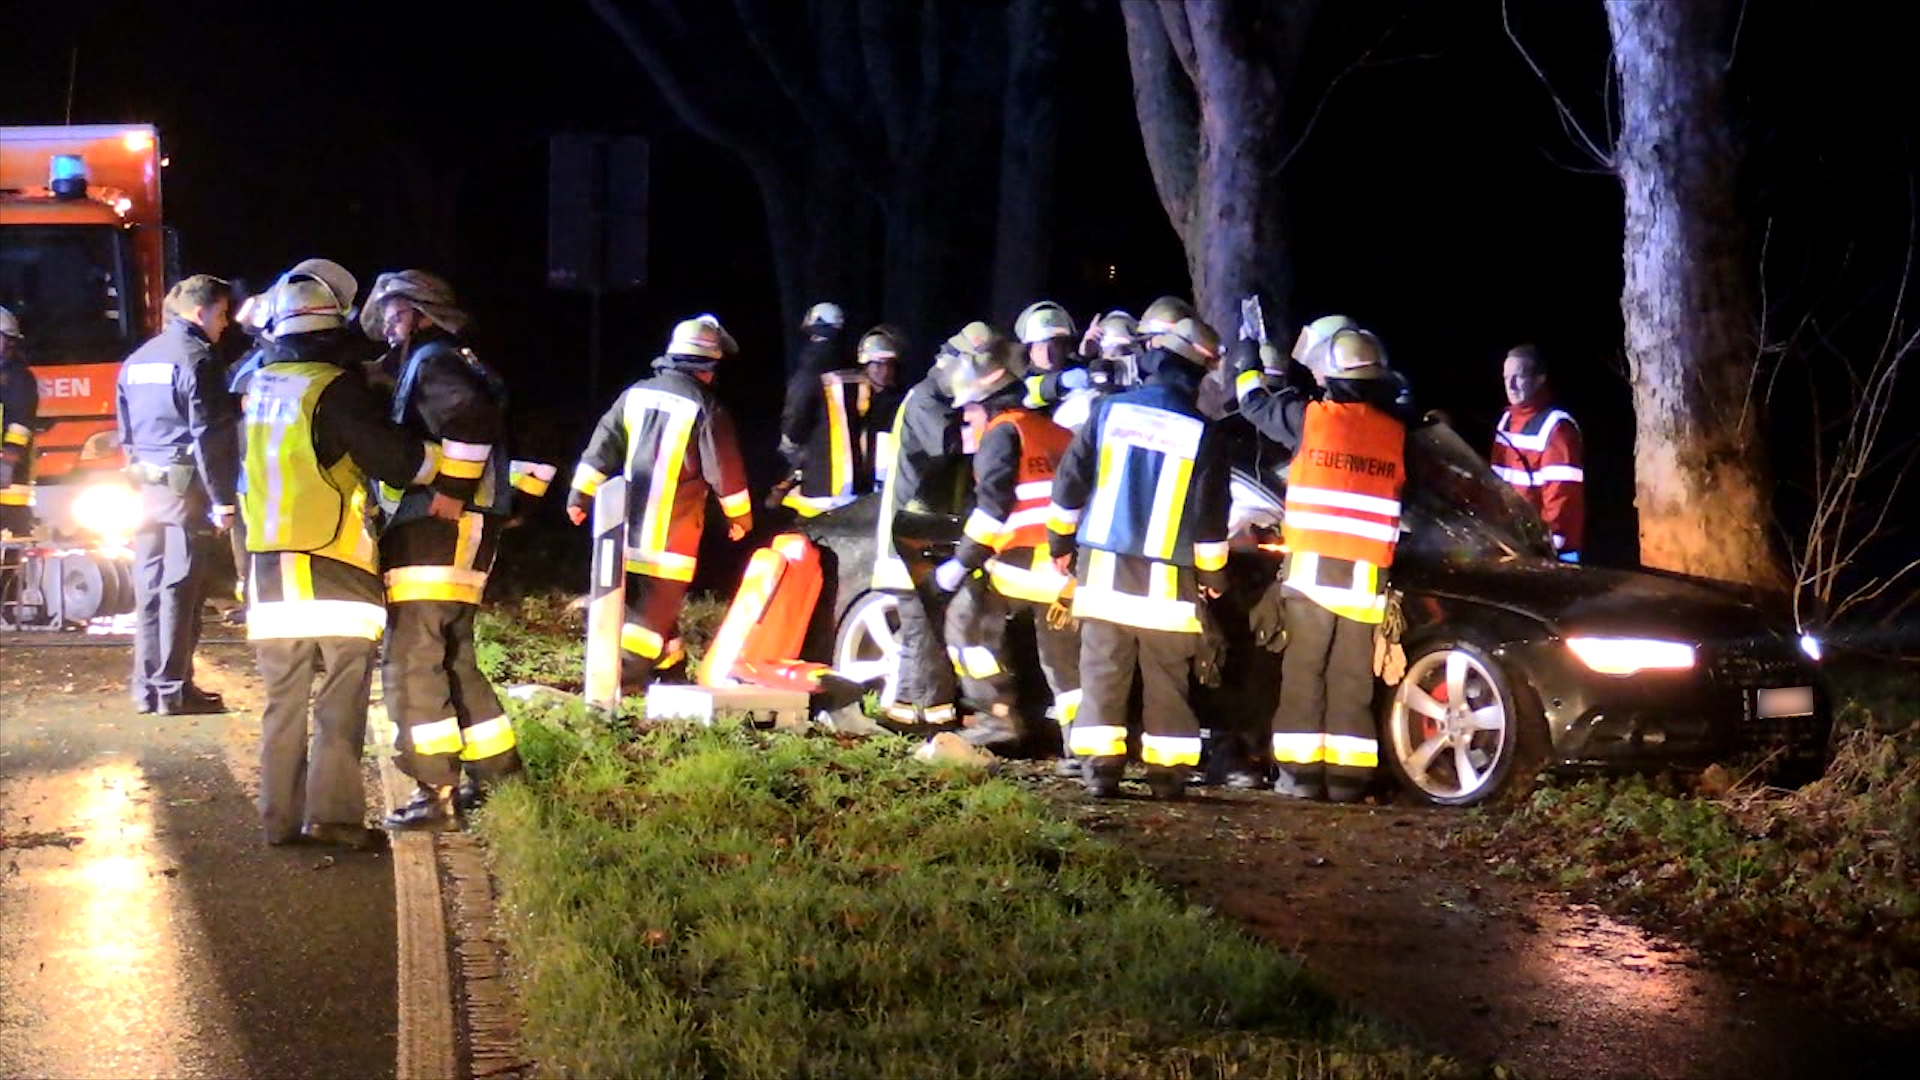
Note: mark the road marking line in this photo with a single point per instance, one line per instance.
(423, 985)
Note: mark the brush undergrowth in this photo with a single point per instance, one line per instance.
(726, 902)
(539, 637)
(1819, 886)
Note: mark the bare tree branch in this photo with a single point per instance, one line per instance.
(1568, 121)
(822, 117)
(1173, 13)
(689, 102)
(1326, 94)
(1165, 105)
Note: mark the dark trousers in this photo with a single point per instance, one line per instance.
(977, 637)
(167, 593)
(312, 777)
(17, 520)
(650, 639)
(435, 693)
(1109, 654)
(926, 675)
(1325, 715)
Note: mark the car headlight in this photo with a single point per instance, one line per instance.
(1811, 646)
(1624, 656)
(100, 444)
(109, 510)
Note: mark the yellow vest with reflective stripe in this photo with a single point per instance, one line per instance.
(291, 502)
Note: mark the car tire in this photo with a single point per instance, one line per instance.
(1444, 754)
(866, 644)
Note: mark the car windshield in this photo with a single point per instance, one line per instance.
(65, 284)
(1456, 509)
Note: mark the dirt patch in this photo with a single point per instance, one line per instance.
(1391, 915)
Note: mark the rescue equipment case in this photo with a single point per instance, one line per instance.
(770, 612)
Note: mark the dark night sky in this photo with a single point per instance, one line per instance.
(1438, 200)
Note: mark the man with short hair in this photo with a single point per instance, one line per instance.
(178, 426)
(19, 418)
(1537, 449)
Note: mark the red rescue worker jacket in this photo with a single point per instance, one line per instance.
(1536, 448)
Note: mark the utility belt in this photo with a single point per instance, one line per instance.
(178, 477)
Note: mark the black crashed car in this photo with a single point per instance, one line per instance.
(1514, 659)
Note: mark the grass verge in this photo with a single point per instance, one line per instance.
(540, 637)
(1818, 886)
(692, 902)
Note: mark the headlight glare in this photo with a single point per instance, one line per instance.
(1625, 656)
(1811, 646)
(109, 510)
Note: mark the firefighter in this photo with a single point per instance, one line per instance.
(1140, 514)
(451, 733)
(178, 426)
(821, 422)
(19, 420)
(1537, 449)
(1342, 524)
(879, 354)
(1054, 367)
(1002, 567)
(675, 442)
(928, 445)
(1112, 357)
(315, 603)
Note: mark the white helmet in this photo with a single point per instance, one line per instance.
(1043, 320)
(1335, 347)
(1191, 339)
(9, 325)
(344, 284)
(982, 364)
(702, 336)
(303, 303)
(825, 314)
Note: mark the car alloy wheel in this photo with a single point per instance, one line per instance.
(867, 645)
(1454, 726)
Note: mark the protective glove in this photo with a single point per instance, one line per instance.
(1245, 355)
(1074, 379)
(1268, 619)
(948, 575)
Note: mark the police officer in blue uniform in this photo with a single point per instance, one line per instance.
(178, 425)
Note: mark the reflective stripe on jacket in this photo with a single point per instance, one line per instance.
(292, 502)
(1342, 520)
(1539, 452)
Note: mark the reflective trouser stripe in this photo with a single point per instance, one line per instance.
(1170, 749)
(661, 564)
(641, 641)
(974, 661)
(1099, 741)
(16, 495)
(488, 738)
(1066, 707)
(1313, 748)
(814, 506)
(938, 714)
(303, 619)
(435, 737)
(435, 583)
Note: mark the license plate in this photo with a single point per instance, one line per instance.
(1783, 701)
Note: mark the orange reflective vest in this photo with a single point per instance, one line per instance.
(1042, 442)
(1343, 486)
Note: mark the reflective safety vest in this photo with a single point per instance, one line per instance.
(292, 504)
(1142, 488)
(1538, 451)
(1343, 507)
(1021, 566)
(838, 480)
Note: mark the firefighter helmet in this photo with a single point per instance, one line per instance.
(303, 304)
(428, 294)
(824, 314)
(701, 336)
(982, 366)
(1043, 320)
(1190, 339)
(1117, 331)
(337, 277)
(9, 325)
(1355, 354)
(1311, 348)
(880, 345)
(1163, 313)
(252, 316)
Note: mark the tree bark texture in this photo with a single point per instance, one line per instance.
(1701, 481)
(1210, 81)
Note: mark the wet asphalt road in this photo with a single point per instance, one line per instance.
(146, 930)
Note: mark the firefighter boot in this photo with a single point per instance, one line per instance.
(1102, 775)
(1167, 782)
(998, 729)
(431, 809)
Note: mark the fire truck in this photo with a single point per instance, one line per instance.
(85, 263)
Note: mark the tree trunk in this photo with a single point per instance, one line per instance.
(1209, 84)
(1701, 480)
(1029, 158)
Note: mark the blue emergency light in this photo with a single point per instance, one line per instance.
(67, 176)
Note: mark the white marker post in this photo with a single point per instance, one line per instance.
(607, 595)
